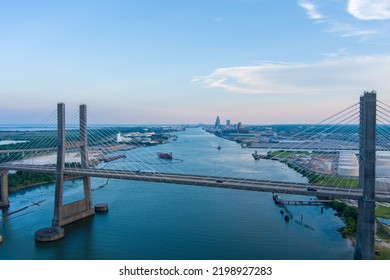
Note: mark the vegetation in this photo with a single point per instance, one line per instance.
(383, 232)
(282, 154)
(349, 215)
(73, 164)
(336, 182)
(382, 212)
(26, 178)
(313, 177)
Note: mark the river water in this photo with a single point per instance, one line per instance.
(163, 221)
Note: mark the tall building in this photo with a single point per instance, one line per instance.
(217, 122)
(239, 127)
(227, 122)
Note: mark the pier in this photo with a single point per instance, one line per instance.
(310, 202)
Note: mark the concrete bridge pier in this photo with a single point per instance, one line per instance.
(365, 238)
(66, 214)
(364, 249)
(74, 211)
(4, 203)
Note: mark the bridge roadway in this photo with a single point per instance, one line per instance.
(28, 150)
(207, 181)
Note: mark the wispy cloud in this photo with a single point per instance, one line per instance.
(337, 76)
(369, 9)
(339, 53)
(344, 27)
(348, 30)
(311, 9)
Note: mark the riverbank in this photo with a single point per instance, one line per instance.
(348, 213)
(311, 165)
(31, 185)
(25, 179)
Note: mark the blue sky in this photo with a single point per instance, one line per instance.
(175, 61)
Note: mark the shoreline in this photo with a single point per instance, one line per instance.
(20, 188)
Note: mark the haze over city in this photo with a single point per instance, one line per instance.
(138, 62)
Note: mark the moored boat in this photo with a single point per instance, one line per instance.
(278, 199)
(256, 156)
(112, 158)
(165, 155)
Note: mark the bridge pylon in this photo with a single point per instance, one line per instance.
(68, 213)
(4, 203)
(365, 237)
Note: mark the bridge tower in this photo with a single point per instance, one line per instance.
(366, 205)
(4, 203)
(65, 214)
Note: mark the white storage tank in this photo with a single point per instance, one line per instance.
(382, 171)
(382, 184)
(349, 171)
(381, 162)
(327, 166)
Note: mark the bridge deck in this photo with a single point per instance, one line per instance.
(327, 192)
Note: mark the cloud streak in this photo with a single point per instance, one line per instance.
(311, 9)
(332, 76)
(362, 9)
(347, 30)
(369, 9)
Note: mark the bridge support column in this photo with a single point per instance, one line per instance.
(4, 203)
(59, 191)
(366, 206)
(66, 214)
(84, 156)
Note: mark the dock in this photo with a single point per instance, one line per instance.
(306, 202)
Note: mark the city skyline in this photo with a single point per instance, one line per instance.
(150, 62)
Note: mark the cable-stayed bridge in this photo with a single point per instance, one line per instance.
(209, 181)
(329, 192)
(331, 175)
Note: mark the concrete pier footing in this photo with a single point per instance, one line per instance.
(103, 207)
(49, 234)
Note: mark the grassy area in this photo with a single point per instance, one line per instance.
(382, 232)
(382, 212)
(336, 182)
(283, 155)
(385, 253)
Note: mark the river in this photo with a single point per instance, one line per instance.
(162, 221)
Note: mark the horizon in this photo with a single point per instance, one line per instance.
(171, 124)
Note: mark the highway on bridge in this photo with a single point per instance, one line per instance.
(208, 181)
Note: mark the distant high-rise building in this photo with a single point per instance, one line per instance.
(228, 123)
(239, 126)
(217, 122)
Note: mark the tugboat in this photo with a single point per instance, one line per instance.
(277, 199)
(165, 155)
(256, 156)
(109, 159)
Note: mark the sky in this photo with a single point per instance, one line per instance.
(175, 61)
